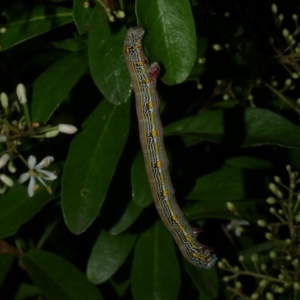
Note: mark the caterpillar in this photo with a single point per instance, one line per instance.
(143, 77)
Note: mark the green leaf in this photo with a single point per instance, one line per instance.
(85, 18)
(205, 281)
(171, 36)
(131, 213)
(240, 127)
(91, 162)
(70, 44)
(141, 192)
(227, 184)
(52, 86)
(155, 270)
(198, 67)
(27, 291)
(16, 207)
(218, 209)
(120, 287)
(248, 162)
(6, 260)
(26, 21)
(107, 62)
(57, 278)
(108, 254)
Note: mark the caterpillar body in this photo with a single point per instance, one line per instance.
(143, 78)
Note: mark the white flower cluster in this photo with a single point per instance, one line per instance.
(36, 172)
(14, 132)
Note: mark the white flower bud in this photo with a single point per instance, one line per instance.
(21, 93)
(11, 167)
(201, 60)
(281, 17)
(217, 47)
(230, 206)
(269, 296)
(277, 179)
(225, 97)
(2, 30)
(261, 223)
(120, 14)
(86, 4)
(285, 32)
(199, 86)
(3, 138)
(52, 133)
(254, 257)
(4, 100)
(274, 8)
(294, 17)
(268, 236)
(288, 82)
(271, 200)
(66, 128)
(3, 189)
(111, 18)
(6, 180)
(241, 258)
(3, 160)
(295, 262)
(263, 283)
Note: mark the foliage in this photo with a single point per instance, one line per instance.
(229, 105)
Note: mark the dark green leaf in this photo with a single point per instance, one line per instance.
(155, 270)
(199, 66)
(107, 62)
(247, 162)
(51, 87)
(6, 261)
(108, 254)
(92, 159)
(241, 127)
(120, 287)
(171, 36)
(26, 21)
(226, 184)
(141, 192)
(219, 210)
(85, 17)
(16, 207)
(57, 278)
(205, 281)
(70, 44)
(131, 213)
(27, 291)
